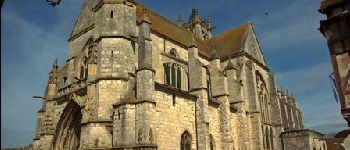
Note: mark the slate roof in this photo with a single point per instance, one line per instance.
(226, 44)
(170, 29)
(230, 42)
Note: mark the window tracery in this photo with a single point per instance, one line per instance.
(173, 75)
(265, 111)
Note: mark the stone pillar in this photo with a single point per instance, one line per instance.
(220, 94)
(198, 86)
(124, 127)
(145, 103)
(115, 63)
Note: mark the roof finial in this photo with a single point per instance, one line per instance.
(180, 20)
(145, 17)
(208, 23)
(55, 65)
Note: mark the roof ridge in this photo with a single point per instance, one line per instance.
(166, 19)
(232, 29)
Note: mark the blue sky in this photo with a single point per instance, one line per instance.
(33, 34)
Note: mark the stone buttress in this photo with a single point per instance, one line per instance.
(220, 95)
(198, 87)
(238, 105)
(135, 123)
(276, 118)
(249, 85)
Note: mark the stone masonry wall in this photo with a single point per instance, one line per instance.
(173, 120)
(109, 93)
(214, 126)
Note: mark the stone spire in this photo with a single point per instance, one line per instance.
(209, 24)
(53, 73)
(55, 65)
(180, 21)
(195, 17)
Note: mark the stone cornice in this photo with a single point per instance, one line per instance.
(105, 121)
(132, 102)
(138, 146)
(175, 58)
(174, 91)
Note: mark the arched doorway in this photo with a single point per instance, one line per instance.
(67, 134)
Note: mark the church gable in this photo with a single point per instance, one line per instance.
(85, 19)
(252, 46)
(229, 43)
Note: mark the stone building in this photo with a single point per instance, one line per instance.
(336, 29)
(303, 140)
(135, 80)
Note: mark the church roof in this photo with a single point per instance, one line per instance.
(226, 44)
(86, 17)
(230, 42)
(171, 30)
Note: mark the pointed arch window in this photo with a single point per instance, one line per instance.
(173, 52)
(263, 134)
(84, 68)
(267, 139)
(271, 138)
(172, 75)
(211, 142)
(167, 73)
(186, 141)
(263, 96)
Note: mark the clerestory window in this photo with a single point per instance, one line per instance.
(172, 75)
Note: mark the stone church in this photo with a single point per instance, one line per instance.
(135, 80)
